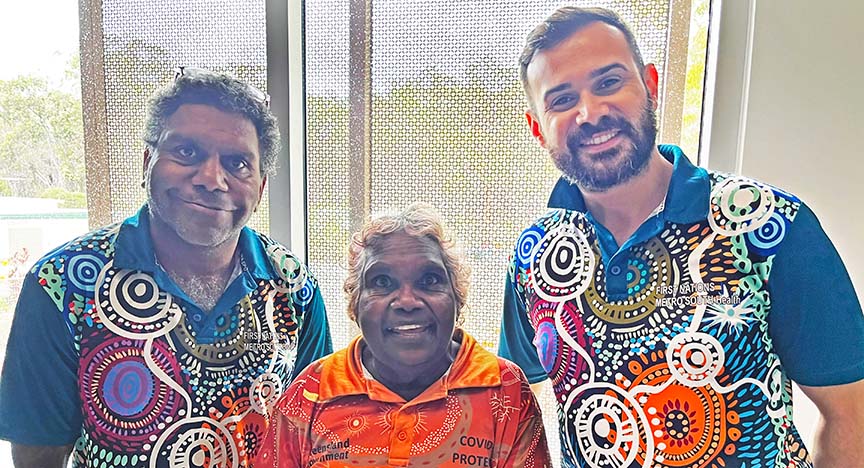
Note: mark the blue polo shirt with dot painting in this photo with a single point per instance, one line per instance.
(678, 348)
(107, 354)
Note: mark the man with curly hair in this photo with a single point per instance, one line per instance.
(166, 339)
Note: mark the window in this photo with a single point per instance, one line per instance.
(420, 101)
(404, 101)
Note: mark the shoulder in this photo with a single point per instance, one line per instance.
(545, 228)
(289, 269)
(98, 243)
(78, 261)
(304, 389)
(762, 213)
(740, 202)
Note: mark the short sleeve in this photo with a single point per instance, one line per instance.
(815, 322)
(517, 335)
(39, 395)
(315, 341)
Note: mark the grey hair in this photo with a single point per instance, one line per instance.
(223, 92)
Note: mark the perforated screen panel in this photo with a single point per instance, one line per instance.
(446, 127)
(143, 41)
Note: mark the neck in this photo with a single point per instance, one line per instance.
(622, 209)
(408, 383)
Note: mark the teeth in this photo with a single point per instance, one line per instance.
(408, 328)
(601, 138)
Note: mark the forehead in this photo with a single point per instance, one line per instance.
(400, 247)
(211, 123)
(592, 47)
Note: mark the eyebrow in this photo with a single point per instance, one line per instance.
(607, 68)
(594, 74)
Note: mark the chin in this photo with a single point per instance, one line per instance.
(205, 238)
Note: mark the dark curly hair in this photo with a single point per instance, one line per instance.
(223, 92)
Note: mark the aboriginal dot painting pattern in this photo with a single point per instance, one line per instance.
(681, 372)
(154, 391)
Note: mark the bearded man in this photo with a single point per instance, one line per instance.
(670, 306)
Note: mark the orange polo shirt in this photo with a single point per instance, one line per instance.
(481, 413)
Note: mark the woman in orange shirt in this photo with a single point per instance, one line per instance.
(413, 389)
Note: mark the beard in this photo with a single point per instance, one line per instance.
(191, 228)
(601, 171)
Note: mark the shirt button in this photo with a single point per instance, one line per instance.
(615, 270)
(401, 435)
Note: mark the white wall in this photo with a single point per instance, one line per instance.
(805, 119)
(800, 125)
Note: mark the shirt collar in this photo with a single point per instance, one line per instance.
(134, 248)
(342, 374)
(687, 200)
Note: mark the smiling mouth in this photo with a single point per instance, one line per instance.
(600, 137)
(205, 207)
(408, 330)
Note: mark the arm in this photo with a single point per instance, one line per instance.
(285, 444)
(39, 395)
(840, 432)
(35, 456)
(314, 342)
(530, 448)
(815, 320)
(516, 341)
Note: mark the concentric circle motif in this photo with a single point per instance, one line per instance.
(265, 392)
(547, 344)
(526, 244)
(304, 296)
(249, 435)
(648, 267)
(289, 267)
(564, 264)
(767, 237)
(82, 270)
(130, 304)
(695, 359)
(125, 401)
(689, 426)
(608, 429)
(562, 363)
(196, 442)
(740, 205)
(356, 423)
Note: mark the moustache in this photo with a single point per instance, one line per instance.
(208, 199)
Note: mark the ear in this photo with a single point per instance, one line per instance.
(534, 126)
(147, 157)
(652, 82)
(261, 191)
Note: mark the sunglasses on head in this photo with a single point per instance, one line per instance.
(256, 93)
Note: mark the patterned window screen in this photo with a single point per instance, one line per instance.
(130, 48)
(411, 100)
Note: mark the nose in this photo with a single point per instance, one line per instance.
(210, 174)
(406, 299)
(590, 109)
